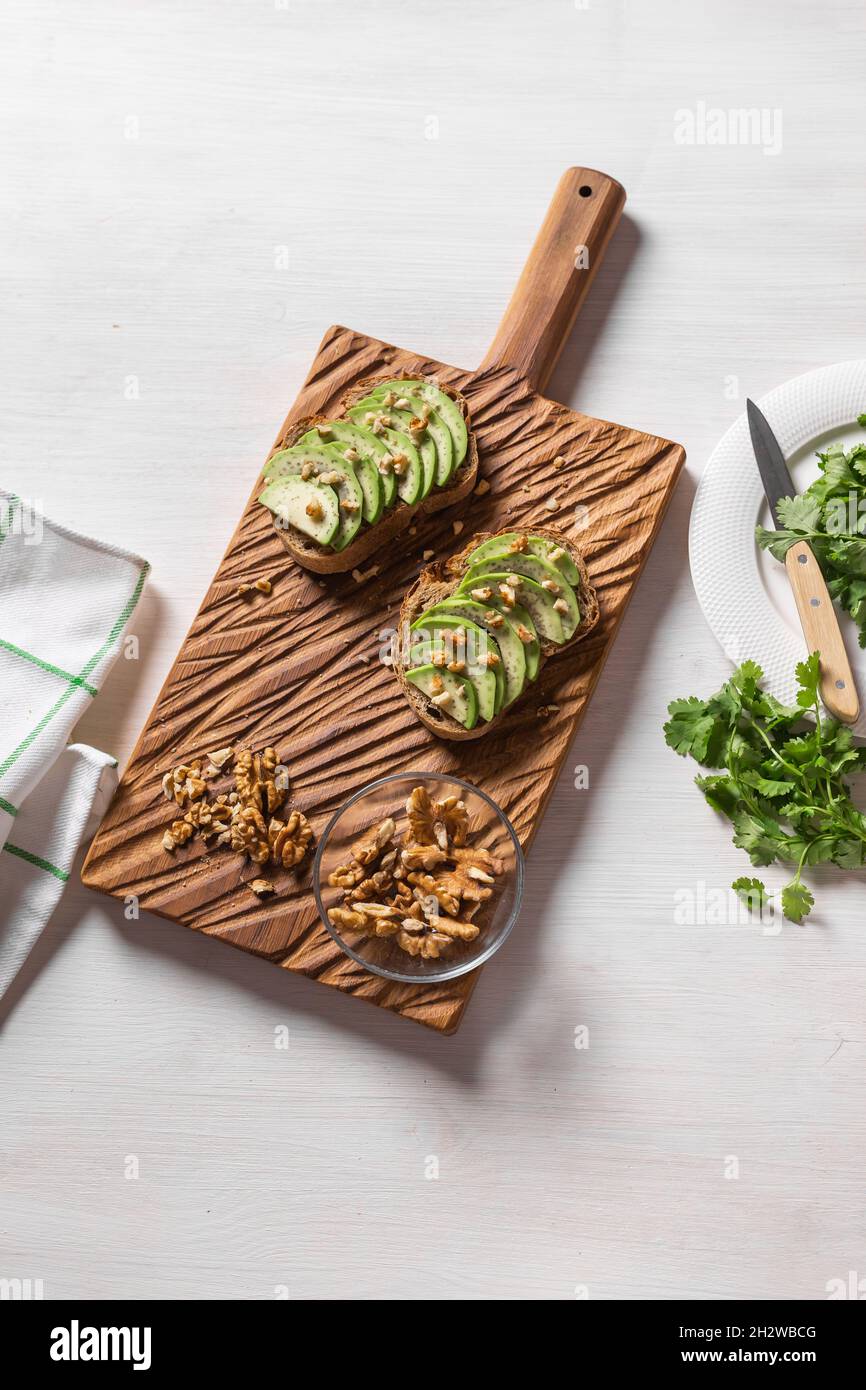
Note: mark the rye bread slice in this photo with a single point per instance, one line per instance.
(399, 518)
(438, 581)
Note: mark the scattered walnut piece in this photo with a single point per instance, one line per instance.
(221, 757)
(184, 783)
(263, 585)
(243, 589)
(261, 886)
(289, 842)
(261, 780)
(482, 487)
(249, 835)
(559, 462)
(457, 527)
(552, 504)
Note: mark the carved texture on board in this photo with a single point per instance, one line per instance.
(299, 669)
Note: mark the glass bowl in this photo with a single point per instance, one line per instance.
(489, 829)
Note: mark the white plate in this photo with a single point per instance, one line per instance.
(743, 591)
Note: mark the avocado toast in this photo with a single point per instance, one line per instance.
(342, 486)
(477, 628)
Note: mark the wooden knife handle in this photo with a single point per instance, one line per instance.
(821, 630)
(567, 252)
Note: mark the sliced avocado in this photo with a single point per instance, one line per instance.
(462, 703)
(500, 628)
(343, 435)
(536, 545)
(436, 427)
(521, 620)
(326, 462)
(401, 420)
(547, 621)
(445, 406)
(410, 482)
(365, 441)
(488, 681)
(542, 572)
(309, 507)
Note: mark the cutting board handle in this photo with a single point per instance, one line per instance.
(567, 252)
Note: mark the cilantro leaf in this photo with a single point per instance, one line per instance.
(801, 513)
(752, 892)
(797, 901)
(808, 674)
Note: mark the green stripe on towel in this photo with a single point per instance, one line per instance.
(35, 860)
(47, 666)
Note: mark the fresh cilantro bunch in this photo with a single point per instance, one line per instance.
(781, 778)
(831, 516)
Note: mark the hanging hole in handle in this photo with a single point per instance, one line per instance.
(585, 191)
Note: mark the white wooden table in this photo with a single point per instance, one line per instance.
(197, 191)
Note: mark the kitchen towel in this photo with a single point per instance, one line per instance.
(65, 601)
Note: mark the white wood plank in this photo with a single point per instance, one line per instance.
(158, 157)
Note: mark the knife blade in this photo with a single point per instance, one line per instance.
(814, 606)
(770, 460)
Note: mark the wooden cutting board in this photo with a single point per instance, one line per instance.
(299, 669)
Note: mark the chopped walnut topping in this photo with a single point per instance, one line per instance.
(221, 757)
(314, 509)
(399, 462)
(386, 464)
(309, 470)
(349, 505)
(493, 619)
(440, 659)
(324, 431)
(442, 700)
(492, 659)
(524, 634)
(556, 555)
(457, 667)
(428, 554)
(507, 594)
(551, 586)
(482, 595)
(560, 606)
(518, 545)
(351, 454)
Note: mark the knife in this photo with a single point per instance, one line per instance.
(814, 605)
